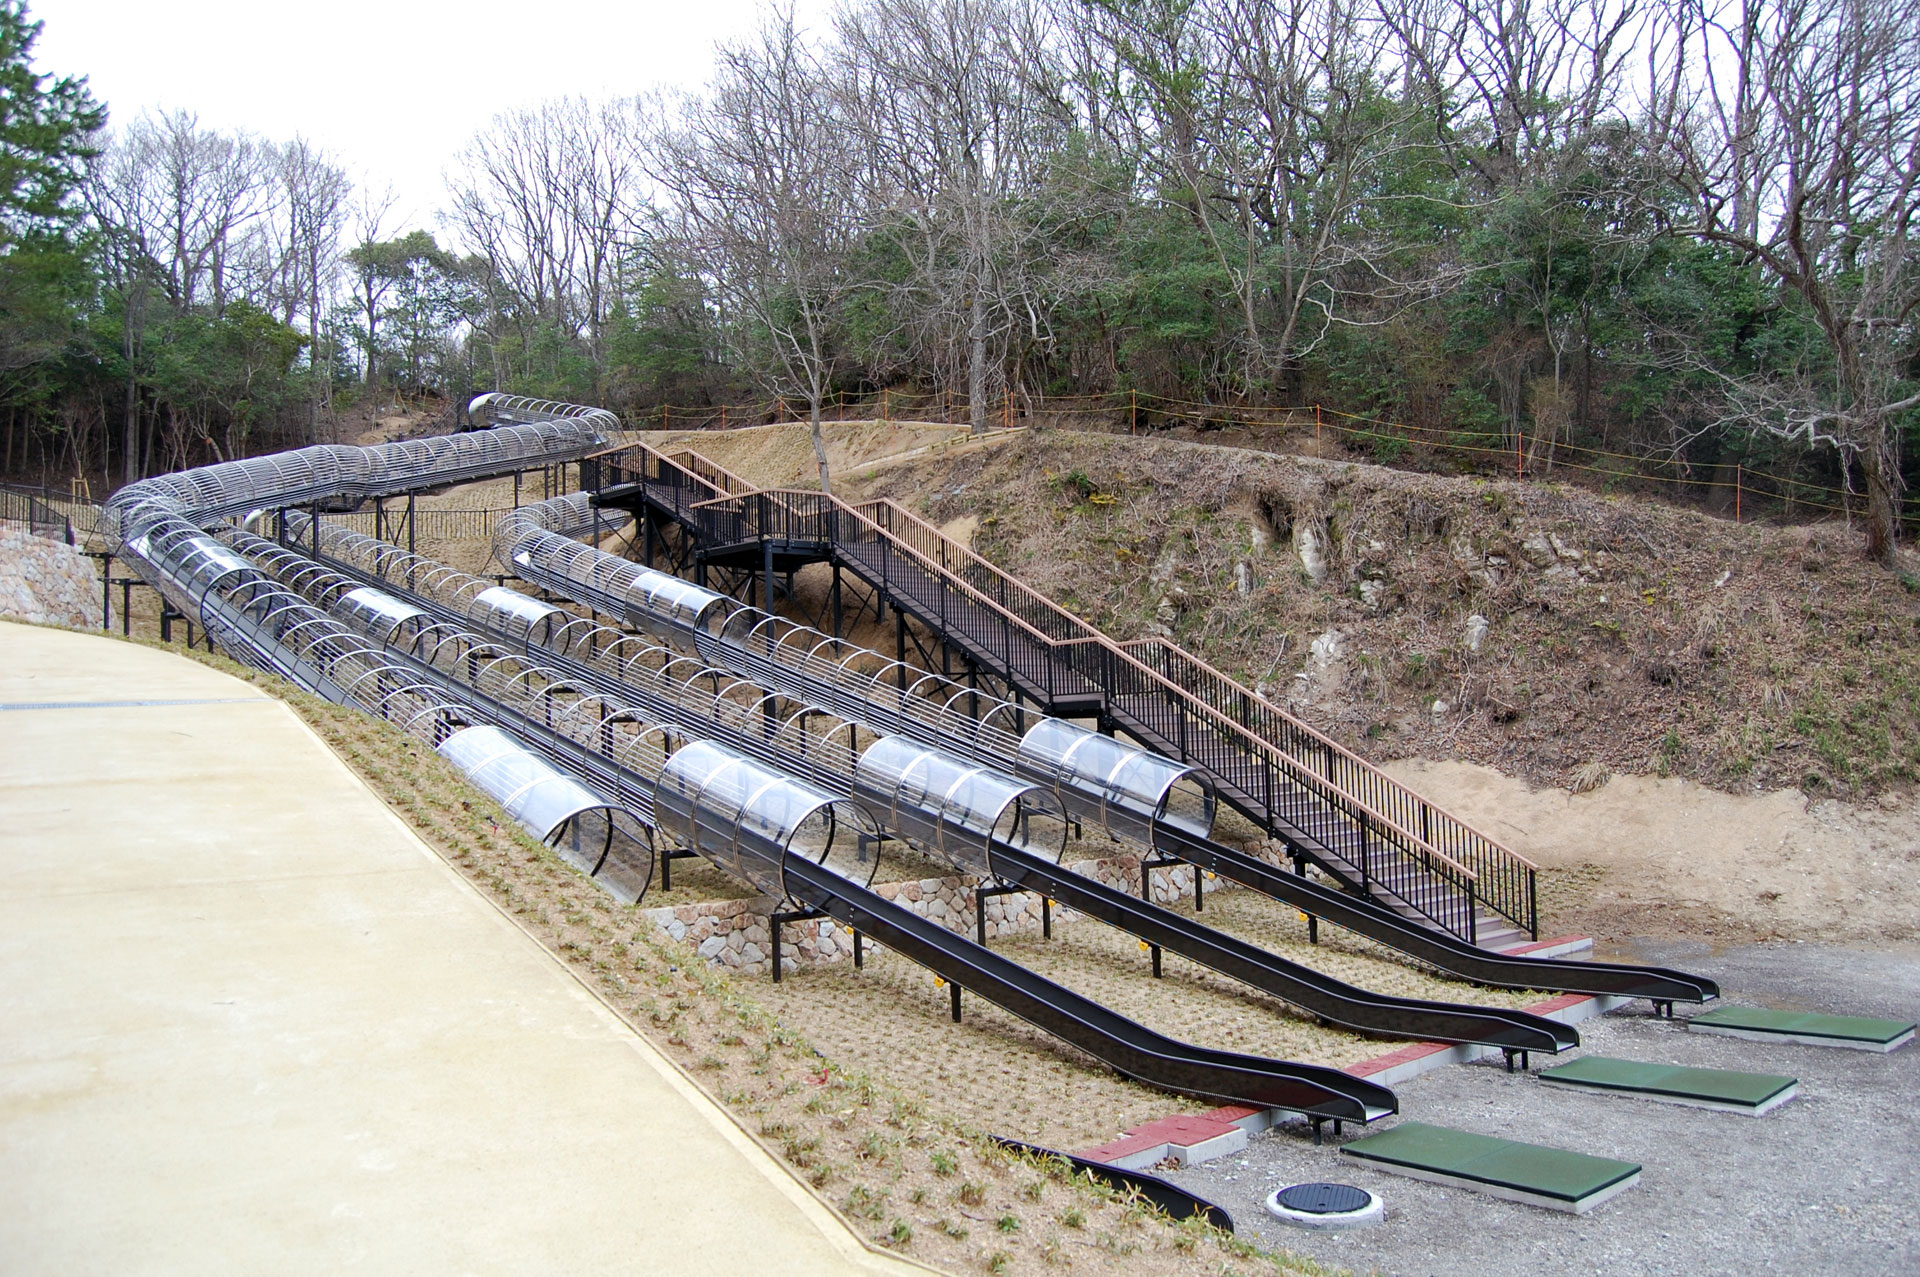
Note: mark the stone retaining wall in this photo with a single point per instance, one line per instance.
(737, 933)
(47, 581)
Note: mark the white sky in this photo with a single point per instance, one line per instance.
(392, 89)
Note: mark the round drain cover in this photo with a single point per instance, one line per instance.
(1324, 1199)
(1324, 1205)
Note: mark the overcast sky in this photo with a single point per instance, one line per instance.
(392, 88)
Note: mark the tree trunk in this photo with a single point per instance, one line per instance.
(314, 365)
(977, 364)
(132, 421)
(1882, 520)
(819, 443)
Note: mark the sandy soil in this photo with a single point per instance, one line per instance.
(1670, 857)
(782, 456)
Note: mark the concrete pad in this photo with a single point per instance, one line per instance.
(1850, 1032)
(250, 1023)
(1723, 1090)
(1532, 1173)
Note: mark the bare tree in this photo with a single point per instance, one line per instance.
(1793, 126)
(172, 203)
(761, 169)
(1510, 84)
(1269, 127)
(190, 193)
(371, 209)
(292, 256)
(550, 198)
(958, 107)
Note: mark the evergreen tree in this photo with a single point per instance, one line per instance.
(45, 130)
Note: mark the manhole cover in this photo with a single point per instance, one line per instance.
(1324, 1199)
(1324, 1205)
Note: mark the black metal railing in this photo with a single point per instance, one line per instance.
(36, 512)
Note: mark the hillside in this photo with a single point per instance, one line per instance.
(1613, 635)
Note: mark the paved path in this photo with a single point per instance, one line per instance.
(250, 1023)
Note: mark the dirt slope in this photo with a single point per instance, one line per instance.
(1614, 635)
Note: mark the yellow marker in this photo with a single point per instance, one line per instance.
(1303, 917)
(1143, 946)
(939, 982)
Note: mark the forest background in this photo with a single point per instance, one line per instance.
(1675, 232)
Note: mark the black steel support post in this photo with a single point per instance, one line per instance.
(666, 865)
(766, 576)
(1147, 866)
(954, 991)
(779, 920)
(410, 522)
(837, 622)
(900, 640)
(1313, 919)
(106, 584)
(983, 893)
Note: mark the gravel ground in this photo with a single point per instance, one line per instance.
(1828, 1183)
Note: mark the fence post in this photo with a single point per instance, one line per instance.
(723, 416)
(883, 406)
(780, 409)
(1009, 407)
(1316, 430)
(1133, 420)
(666, 417)
(1520, 455)
(1739, 475)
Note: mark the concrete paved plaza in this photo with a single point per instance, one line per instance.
(249, 1022)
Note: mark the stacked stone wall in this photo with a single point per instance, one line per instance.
(47, 581)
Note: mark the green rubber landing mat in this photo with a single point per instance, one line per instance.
(1805, 1026)
(1720, 1088)
(1528, 1172)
